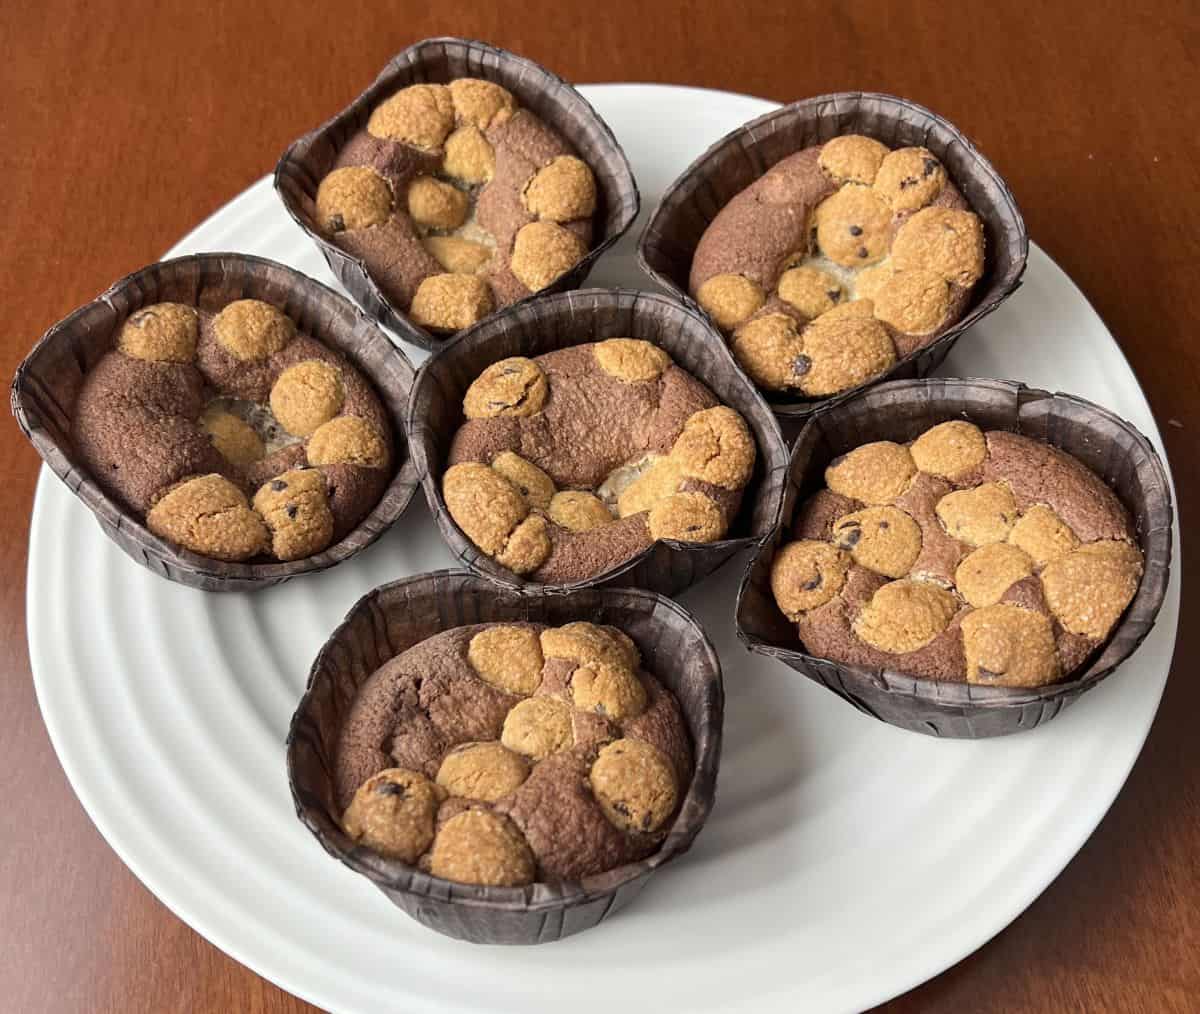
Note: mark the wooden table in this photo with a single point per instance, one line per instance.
(123, 125)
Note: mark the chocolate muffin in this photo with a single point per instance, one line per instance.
(842, 259)
(571, 463)
(232, 434)
(458, 201)
(503, 754)
(987, 558)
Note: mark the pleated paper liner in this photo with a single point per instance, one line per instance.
(396, 616)
(48, 382)
(308, 160)
(691, 203)
(900, 411)
(574, 318)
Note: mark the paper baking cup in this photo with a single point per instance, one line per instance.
(574, 318)
(741, 157)
(393, 618)
(49, 380)
(901, 411)
(556, 103)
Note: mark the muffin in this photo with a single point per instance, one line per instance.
(843, 259)
(981, 557)
(503, 754)
(573, 462)
(231, 433)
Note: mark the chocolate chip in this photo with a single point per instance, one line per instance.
(337, 223)
(646, 822)
(848, 535)
(930, 167)
(278, 485)
(908, 181)
(292, 510)
(391, 789)
(814, 583)
(801, 365)
(862, 251)
(621, 808)
(834, 294)
(883, 526)
(856, 230)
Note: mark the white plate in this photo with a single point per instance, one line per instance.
(845, 862)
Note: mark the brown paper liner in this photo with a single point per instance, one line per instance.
(691, 203)
(900, 411)
(396, 616)
(308, 160)
(48, 382)
(573, 318)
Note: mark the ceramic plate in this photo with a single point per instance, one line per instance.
(845, 862)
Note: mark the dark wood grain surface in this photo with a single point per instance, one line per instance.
(124, 124)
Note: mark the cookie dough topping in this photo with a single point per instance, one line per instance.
(578, 511)
(486, 771)
(1042, 534)
(457, 255)
(561, 191)
(686, 517)
(1008, 646)
(716, 447)
(874, 473)
(635, 785)
(435, 204)
(482, 847)
(251, 330)
(807, 574)
(909, 178)
(986, 574)
(942, 240)
(630, 359)
(771, 351)
(854, 227)
(209, 515)
(950, 449)
(393, 813)
(538, 727)
(515, 387)
(810, 290)
(482, 104)
(914, 301)
(845, 350)
(527, 547)
(469, 156)
(904, 616)
(295, 506)
(658, 480)
(353, 197)
(1088, 589)
(509, 658)
(533, 484)
(852, 158)
(162, 333)
(885, 540)
(451, 302)
(544, 251)
(306, 396)
(585, 643)
(421, 115)
(484, 504)
(730, 299)
(347, 439)
(979, 515)
(609, 690)
(236, 439)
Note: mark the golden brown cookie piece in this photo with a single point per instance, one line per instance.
(609, 690)
(1088, 589)
(538, 726)
(435, 204)
(686, 517)
(869, 281)
(854, 226)
(469, 156)
(232, 436)
(852, 158)
(807, 574)
(484, 504)
(562, 190)
(909, 178)
(844, 351)
(1009, 646)
(295, 506)
(950, 449)
(979, 515)
(660, 480)
(730, 299)
(903, 616)
(578, 511)
(915, 301)
(347, 439)
(943, 240)
(1042, 534)
(161, 333)
(251, 330)
(635, 785)
(209, 515)
(771, 351)
(306, 396)
(515, 386)
(481, 103)
(482, 847)
(509, 658)
(542, 252)
(527, 547)
(421, 115)
(485, 771)
(885, 540)
(987, 573)
(534, 485)
(457, 255)
(874, 473)
(810, 290)
(584, 642)
(451, 302)
(716, 447)
(630, 359)
(353, 197)
(393, 813)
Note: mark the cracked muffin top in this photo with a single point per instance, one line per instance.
(458, 202)
(573, 462)
(990, 558)
(231, 433)
(841, 260)
(504, 754)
